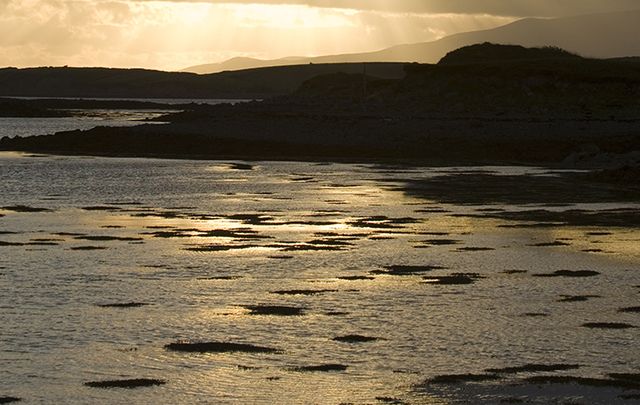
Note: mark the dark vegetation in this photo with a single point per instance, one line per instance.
(20, 108)
(140, 83)
(488, 52)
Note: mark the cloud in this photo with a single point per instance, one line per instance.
(173, 34)
(515, 8)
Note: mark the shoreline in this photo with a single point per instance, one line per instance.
(412, 141)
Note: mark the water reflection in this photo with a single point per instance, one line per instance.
(305, 235)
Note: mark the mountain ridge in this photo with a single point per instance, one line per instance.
(603, 35)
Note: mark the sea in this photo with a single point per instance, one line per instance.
(335, 284)
(90, 118)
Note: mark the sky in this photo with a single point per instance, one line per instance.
(175, 34)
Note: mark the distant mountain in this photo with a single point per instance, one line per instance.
(243, 63)
(139, 83)
(608, 35)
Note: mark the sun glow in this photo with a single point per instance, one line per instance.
(172, 35)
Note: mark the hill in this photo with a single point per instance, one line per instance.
(488, 52)
(139, 83)
(496, 111)
(607, 35)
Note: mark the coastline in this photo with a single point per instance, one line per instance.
(458, 141)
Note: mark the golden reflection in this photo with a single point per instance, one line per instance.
(623, 243)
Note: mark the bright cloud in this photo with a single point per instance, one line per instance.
(173, 34)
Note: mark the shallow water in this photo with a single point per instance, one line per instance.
(198, 241)
(85, 119)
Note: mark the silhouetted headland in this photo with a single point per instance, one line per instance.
(481, 104)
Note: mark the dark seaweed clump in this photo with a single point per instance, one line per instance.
(569, 273)
(607, 325)
(474, 249)
(124, 305)
(576, 298)
(514, 271)
(301, 292)
(594, 382)
(453, 279)
(461, 378)
(630, 309)
(101, 208)
(398, 270)
(355, 278)
(103, 238)
(530, 368)
(3, 243)
(240, 166)
(322, 367)
(549, 244)
(354, 339)
(440, 242)
(89, 248)
(218, 347)
(131, 383)
(278, 310)
(629, 377)
(25, 208)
